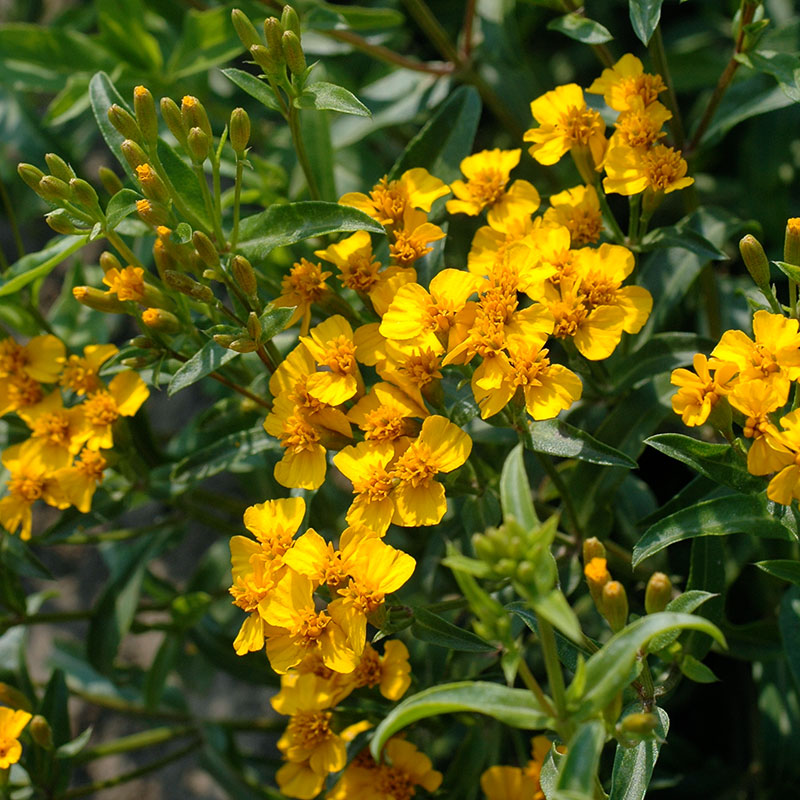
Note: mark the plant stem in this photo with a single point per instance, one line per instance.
(530, 681)
(792, 299)
(12, 220)
(466, 30)
(209, 204)
(608, 215)
(237, 196)
(135, 741)
(555, 677)
(127, 254)
(302, 155)
(563, 491)
(177, 200)
(659, 56)
(635, 207)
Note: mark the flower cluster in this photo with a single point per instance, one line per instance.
(71, 424)
(12, 723)
(518, 783)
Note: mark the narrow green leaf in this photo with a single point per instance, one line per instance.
(274, 320)
(103, 94)
(557, 438)
(209, 358)
(516, 708)
(328, 16)
(611, 669)
(323, 95)
(718, 517)
(253, 86)
(789, 270)
(633, 766)
(515, 491)
(120, 23)
(315, 129)
(784, 67)
(684, 237)
(555, 608)
(71, 749)
(432, 628)
(121, 205)
(471, 566)
(156, 676)
(54, 708)
(645, 15)
(282, 225)
(207, 39)
(580, 28)
(36, 265)
(785, 569)
(577, 775)
(184, 180)
(696, 671)
(720, 462)
(789, 623)
(685, 603)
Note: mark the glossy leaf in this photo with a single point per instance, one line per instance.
(72, 748)
(328, 96)
(577, 774)
(514, 707)
(328, 16)
(184, 180)
(785, 569)
(791, 271)
(209, 358)
(789, 622)
(557, 438)
(103, 94)
(633, 766)
(253, 86)
(718, 517)
(580, 28)
(645, 15)
(685, 238)
(315, 129)
(685, 603)
(696, 670)
(36, 265)
(784, 67)
(431, 628)
(121, 205)
(515, 490)
(282, 225)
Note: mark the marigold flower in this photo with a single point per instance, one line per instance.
(304, 285)
(626, 85)
(123, 398)
(640, 126)
(55, 428)
(509, 783)
(11, 725)
(365, 465)
(412, 240)
(578, 210)
(355, 260)
(81, 372)
(630, 170)
(126, 284)
(41, 359)
(332, 347)
(18, 392)
(756, 400)
(79, 481)
(700, 391)
(785, 457)
(491, 243)
(384, 414)
(391, 672)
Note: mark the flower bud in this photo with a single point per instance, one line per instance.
(84, 194)
(245, 29)
(290, 21)
(194, 115)
(755, 259)
(54, 189)
(791, 244)
(41, 732)
(172, 116)
(293, 53)
(142, 342)
(593, 548)
(98, 301)
(614, 605)
(111, 183)
(198, 145)
(124, 122)
(185, 285)
(152, 213)
(639, 723)
(239, 131)
(60, 222)
(243, 344)
(597, 576)
(152, 185)
(14, 698)
(244, 275)
(160, 320)
(145, 108)
(133, 153)
(254, 327)
(273, 31)
(59, 167)
(224, 340)
(138, 362)
(31, 175)
(266, 60)
(109, 261)
(205, 249)
(658, 593)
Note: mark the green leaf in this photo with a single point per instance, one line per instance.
(316, 132)
(515, 491)
(555, 608)
(785, 569)
(720, 462)
(718, 517)
(207, 39)
(696, 671)
(209, 358)
(71, 749)
(784, 67)
(184, 180)
(789, 270)
(327, 16)
(254, 87)
(282, 225)
(684, 603)
(517, 708)
(471, 566)
(54, 708)
(121, 205)
(789, 623)
(323, 95)
(684, 237)
(577, 774)
(611, 669)
(633, 766)
(156, 676)
(557, 438)
(645, 15)
(232, 453)
(446, 139)
(580, 28)
(274, 320)
(120, 22)
(103, 94)
(432, 628)
(36, 265)
(55, 47)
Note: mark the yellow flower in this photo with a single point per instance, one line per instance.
(55, 428)
(412, 240)
(391, 673)
(126, 284)
(440, 447)
(415, 369)
(756, 399)
(491, 243)
(785, 444)
(355, 260)
(578, 210)
(626, 85)
(81, 373)
(304, 285)
(317, 559)
(630, 171)
(699, 391)
(332, 347)
(18, 392)
(640, 126)
(388, 200)
(384, 415)
(509, 783)
(11, 725)
(565, 122)
(79, 481)
(123, 398)
(41, 359)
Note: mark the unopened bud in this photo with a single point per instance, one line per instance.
(54, 189)
(98, 301)
(593, 548)
(84, 194)
(293, 53)
(266, 60)
(597, 576)
(658, 593)
(138, 362)
(244, 275)
(31, 175)
(245, 29)
(111, 183)
(615, 605)
(60, 222)
(160, 320)
(152, 185)
(755, 259)
(213, 275)
(185, 285)
(239, 131)
(205, 249)
(41, 732)
(224, 340)
(145, 108)
(142, 342)
(152, 213)
(273, 31)
(198, 144)
(133, 153)
(109, 261)
(254, 327)
(59, 167)
(639, 723)
(124, 122)
(163, 258)
(244, 344)
(14, 698)
(791, 244)
(290, 21)
(172, 116)
(194, 115)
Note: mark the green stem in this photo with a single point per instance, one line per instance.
(302, 155)
(635, 207)
(209, 204)
(127, 254)
(237, 196)
(608, 215)
(792, 299)
(563, 491)
(530, 681)
(659, 56)
(135, 741)
(177, 200)
(12, 220)
(555, 677)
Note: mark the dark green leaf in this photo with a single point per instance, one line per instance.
(316, 131)
(785, 569)
(516, 708)
(207, 39)
(515, 491)
(633, 766)
(209, 358)
(274, 320)
(36, 265)
(577, 774)
(327, 16)
(282, 225)
(645, 15)
(684, 603)
(54, 708)
(103, 94)
(432, 628)
(53, 47)
(156, 676)
(120, 22)
(121, 205)
(253, 86)
(720, 462)
(557, 438)
(784, 67)
(789, 622)
(185, 182)
(718, 517)
(685, 238)
(580, 28)
(789, 270)
(323, 95)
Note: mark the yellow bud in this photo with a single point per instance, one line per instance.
(111, 183)
(791, 244)
(160, 320)
(254, 327)
(152, 185)
(239, 131)
(593, 548)
(31, 175)
(266, 60)
(224, 340)
(658, 593)
(194, 115)
(290, 21)
(755, 259)
(59, 167)
(205, 249)
(14, 698)
(597, 576)
(133, 153)
(244, 275)
(172, 116)
(124, 122)
(243, 344)
(109, 261)
(152, 213)
(40, 732)
(293, 53)
(97, 300)
(614, 605)
(145, 108)
(198, 145)
(245, 29)
(639, 723)
(142, 342)
(185, 285)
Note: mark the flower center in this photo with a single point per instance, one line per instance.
(361, 273)
(310, 626)
(310, 729)
(101, 409)
(368, 671)
(384, 423)
(568, 317)
(12, 357)
(578, 124)
(54, 427)
(488, 186)
(306, 280)
(340, 355)
(663, 167)
(416, 465)
(389, 200)
(23, 391)
(407, 248)
(422, 368)
(297, 434)
(79, 376)
(28, 488)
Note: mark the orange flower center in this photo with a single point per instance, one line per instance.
(407, 248)
(309, 729)
(91, 464)
(598, 290)
(395, 782)
(297, 434)
(384, 423)
(340, 355)
(569, 317)
(578, 124)
(416, 466)
(101, 409)
(530, 367)
(364, 600)
(648, 87)
(310, 626)
(23, 391)
(368, 671)
(663, 166)
(389, 198)
(422, 368)
(361, 273)
(637, 128)
(27, 487)
(54, 427)
(376, 485)
(12, 357)
(488, 186)
(306, 280)
(79, 376)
